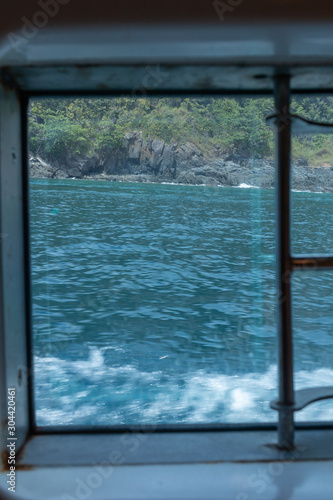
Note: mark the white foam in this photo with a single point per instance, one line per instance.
(90, 392)
(244, 185)
(307, 191)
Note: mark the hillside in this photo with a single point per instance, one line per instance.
(215, 141)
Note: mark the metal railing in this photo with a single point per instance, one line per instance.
(290, 400)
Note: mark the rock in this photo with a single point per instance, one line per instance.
(43, 163)
(187, 177)
(91, 166)
(168, 165)
(134, 151)
(312, 179)
(79, 166)
(39, 168)
(202, 175)
(133, 146)
(157, 147)
(302, 162)
(153, 160)
(236, 158)
(74, 172)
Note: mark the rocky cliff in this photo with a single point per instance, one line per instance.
(153, 160)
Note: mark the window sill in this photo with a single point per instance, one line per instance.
(135, 448)
(238, 465)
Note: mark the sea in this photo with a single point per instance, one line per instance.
(156, 303)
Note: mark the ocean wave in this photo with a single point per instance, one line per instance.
(307, 191)
(244, 185)
(92, 392)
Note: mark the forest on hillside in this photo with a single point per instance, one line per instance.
(59, 127)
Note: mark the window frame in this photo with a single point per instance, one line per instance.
(14, 190)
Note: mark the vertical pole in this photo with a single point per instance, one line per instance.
(286, 384)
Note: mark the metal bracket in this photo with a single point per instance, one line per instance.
(301, 125)
(304, 397)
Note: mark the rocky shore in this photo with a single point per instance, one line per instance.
(153, 160)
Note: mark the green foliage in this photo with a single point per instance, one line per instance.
(108, 137)
(63, 136)
(58, 127)
(36, 136)
(317, 149)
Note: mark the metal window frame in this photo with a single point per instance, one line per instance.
(14, 294)
(14, 341)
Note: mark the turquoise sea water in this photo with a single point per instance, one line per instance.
(156, 303)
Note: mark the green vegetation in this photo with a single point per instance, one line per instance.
(95, 126)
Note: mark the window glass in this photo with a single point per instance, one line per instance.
(312, 180)
(313, 337)
(312, 234)
(152, 260)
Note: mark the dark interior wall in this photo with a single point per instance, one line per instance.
(78, 12)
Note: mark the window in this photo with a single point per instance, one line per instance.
(15, 262)
(152, 296)
(154, 301)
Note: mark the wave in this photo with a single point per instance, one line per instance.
(92, 391)
(244, 185)
(307, 191)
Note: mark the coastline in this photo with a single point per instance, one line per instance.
(216, 173)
